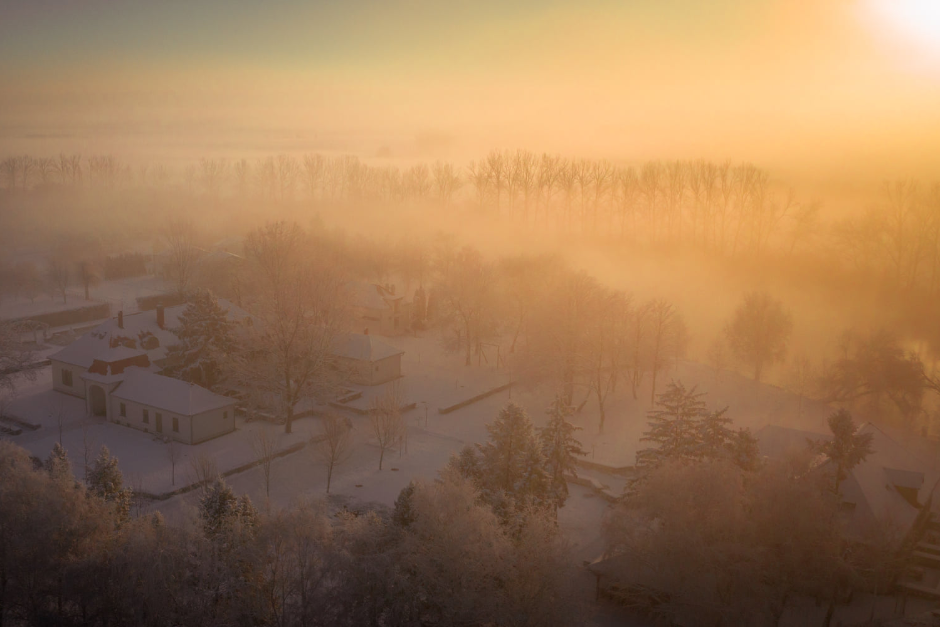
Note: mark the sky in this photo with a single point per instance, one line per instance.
(841, 87)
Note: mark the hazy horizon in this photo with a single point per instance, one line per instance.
(842, 92)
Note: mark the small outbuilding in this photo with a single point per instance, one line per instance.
(366, 360)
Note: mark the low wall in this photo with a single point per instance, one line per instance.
(86, 313)
(473, 399)
(228, 473)
(625, 471)
(146, 303)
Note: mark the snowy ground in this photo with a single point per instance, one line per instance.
(120, 294)
(432, 380)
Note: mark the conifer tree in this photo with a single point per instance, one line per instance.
(512, 458)
(559, 448)
(745, 452)
(106, 482)
(205, 334)
(715, 434)
(673, 426)
(58, 465)
(221, 511)
(847, 448)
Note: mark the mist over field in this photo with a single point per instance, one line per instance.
(502, 313)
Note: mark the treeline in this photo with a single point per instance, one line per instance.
(71, 554)
(725, 209)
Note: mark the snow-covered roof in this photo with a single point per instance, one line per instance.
(170, 395)
(96, 344)
(363, 347)
(875, 485)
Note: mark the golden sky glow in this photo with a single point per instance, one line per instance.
(799, 84)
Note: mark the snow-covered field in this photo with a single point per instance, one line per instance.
(432, 380)
(119, 294)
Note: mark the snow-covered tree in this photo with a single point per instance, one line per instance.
(715, 434)
(759, 331)
(106, 482)
(58, 465)
(560, 449)
(509, 469)
(206, 338)
(673, 426)
(847, 448)
(221, 511)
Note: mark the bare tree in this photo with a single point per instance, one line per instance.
(15, 359)
(300, 306)
(759, 331)
(264, 446)
(666, 331)
(88, 275)
(183, 255)
(467, 292)
(172, 454)
(59, 276)
(385, 418)
(718, 355)
(204, 470)
(333, 445)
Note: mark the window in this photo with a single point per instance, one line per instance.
(224, 415)
(376, 368)
(159, 425)
(67, 377)
(146, 416)
(176, 424)
(123, 410)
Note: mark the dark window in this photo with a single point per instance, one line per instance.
(123, 410)
(67, 377)
(224, 415)
(176, 424)
(146, 416)
(376, 368)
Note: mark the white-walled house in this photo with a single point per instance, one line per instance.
(114, 368)
(148, 332)
(169, 407)
(367, 360)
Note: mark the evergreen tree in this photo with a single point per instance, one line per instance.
(559, 448)
(745, 452)
(403, 514)
(58, 465)
(673, 426)
(206, 336)
(222, 512)
(847, 448)
(715, 434)
(512, 459)
(106, 482)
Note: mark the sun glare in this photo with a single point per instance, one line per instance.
(916, 22)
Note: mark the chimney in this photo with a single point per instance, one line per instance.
(161, 321)
(121, 319)
(365, 331)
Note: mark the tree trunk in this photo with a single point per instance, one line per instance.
(830, 611)
(467, 339)
(290, 404)
(329, 476)
(381, 456)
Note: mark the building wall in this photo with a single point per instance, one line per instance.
(212, 424)
(385, 370)
(78, 386)
(135, 419)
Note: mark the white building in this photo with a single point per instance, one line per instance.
(367, 360)
(114, 368)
